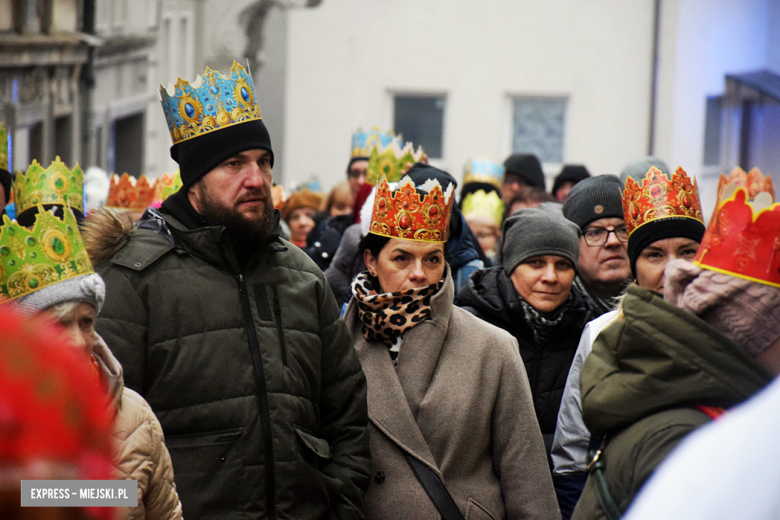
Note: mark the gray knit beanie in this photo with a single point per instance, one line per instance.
(538, 231)
(594, 198)
(88, 288)
(746, 312)
(639, 168)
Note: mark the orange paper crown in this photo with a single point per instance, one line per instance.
(743, 238)
(658, 197)
(129, 193)
(404, 213)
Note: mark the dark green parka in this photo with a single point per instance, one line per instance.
(250, 370)
(640, 386)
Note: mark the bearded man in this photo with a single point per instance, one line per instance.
(231, 334)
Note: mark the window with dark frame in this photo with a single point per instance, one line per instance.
(420, 118)
(538, 127)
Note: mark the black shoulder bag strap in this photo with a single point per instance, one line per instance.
(596, 469)
(435, 489)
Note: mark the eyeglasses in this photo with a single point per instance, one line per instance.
(598, 236)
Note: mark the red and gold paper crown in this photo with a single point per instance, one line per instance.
(753, 182)
(128, 193)
(404, 214)
(743, 238)
(658, 197)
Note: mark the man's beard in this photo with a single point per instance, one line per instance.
(240, 226)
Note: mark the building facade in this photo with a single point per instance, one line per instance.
(596, 83)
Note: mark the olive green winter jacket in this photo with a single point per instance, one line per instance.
(251, 372)
(640, 386)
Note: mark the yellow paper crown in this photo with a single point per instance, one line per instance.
(53, 185)
(50, 252)
(487, 204)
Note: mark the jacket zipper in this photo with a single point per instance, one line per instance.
(262, 398)
(278, 320)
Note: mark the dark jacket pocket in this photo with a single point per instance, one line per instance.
(319, 447)
(316, 491)
(204, 464)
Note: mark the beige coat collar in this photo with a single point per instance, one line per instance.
(394, 395)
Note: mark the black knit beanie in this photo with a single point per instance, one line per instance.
(527, 167)
(421, 172)
(531, 232)
(655, 230)
(200, 155)
(594, 198)
(353, 160)
(572, 173)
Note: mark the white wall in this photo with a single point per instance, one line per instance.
(703, 40)
(347, 57)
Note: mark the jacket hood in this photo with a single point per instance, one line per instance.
(490, 293)
(106, 232)
(462, 246)
(657, 357)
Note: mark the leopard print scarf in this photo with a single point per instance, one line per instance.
(385, 317)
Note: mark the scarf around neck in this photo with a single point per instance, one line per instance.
(385, 317)
(543, 323)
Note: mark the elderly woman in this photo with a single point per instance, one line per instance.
(448, 398)
(531, 296)
(74, 303)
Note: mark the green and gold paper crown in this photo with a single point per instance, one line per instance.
(486, 204)
(392, 162)
(52, 251)
(3, 149)
(54, 185)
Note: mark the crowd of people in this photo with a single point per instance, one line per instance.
(403, 347)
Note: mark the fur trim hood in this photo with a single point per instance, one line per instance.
(105, 233)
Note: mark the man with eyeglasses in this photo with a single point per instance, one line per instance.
(595, 205)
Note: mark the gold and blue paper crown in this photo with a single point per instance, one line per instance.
(363, 142)
(3, 149)
(53, 185)
(484, 170)
(31, 259)
(210, 103)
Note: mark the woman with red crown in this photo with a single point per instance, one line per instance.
(677, 354)
(735, 287)
(452, 424)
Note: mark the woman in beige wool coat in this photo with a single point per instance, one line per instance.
(444, 387)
